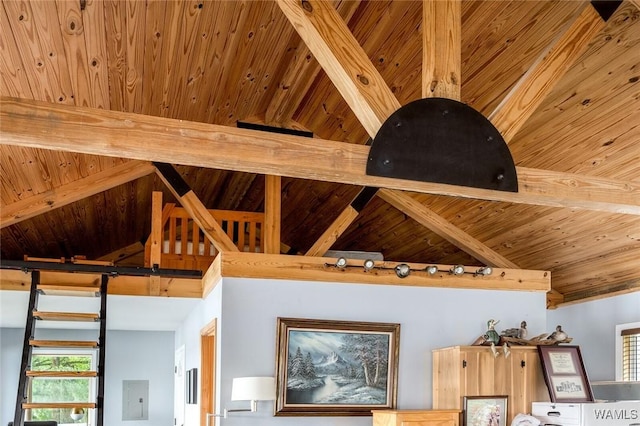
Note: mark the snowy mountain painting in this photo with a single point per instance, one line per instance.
(338, 368)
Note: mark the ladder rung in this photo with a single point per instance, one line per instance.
(66, 316)
(61, 374)
(68, 290)
(31, 405)
(63, 344)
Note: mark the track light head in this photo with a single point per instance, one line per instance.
(368, 264)
(457, 270)
(431, 269)
(485, 270)
(341, 262)
(402, 270)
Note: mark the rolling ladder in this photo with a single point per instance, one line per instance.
(33, 317)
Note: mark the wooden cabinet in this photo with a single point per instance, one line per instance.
(474, 371)
(416, 417)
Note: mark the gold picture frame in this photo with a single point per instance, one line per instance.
(335, 368)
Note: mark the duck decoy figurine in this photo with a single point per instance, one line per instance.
(559, 335)
(519, 333)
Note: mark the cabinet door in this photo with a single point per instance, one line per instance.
(485, 374)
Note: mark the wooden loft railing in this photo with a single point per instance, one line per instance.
(184, 245)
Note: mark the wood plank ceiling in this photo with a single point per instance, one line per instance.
(220, 62)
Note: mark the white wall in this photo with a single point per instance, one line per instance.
(131, 355)
(188, 335)
(430, 318)
(592, 327)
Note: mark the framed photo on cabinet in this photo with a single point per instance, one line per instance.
(335, 368)
(485, 410)
(565, 374)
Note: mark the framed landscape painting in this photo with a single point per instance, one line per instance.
(335, 368)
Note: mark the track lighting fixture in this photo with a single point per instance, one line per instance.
(457, 270)
(403, 270)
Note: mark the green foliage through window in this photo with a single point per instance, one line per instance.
(44, 389)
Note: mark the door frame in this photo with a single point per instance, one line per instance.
(208, 335)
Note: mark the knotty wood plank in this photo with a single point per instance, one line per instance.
(344, 61)
(73, 38)
(523, 99)
(141, 137)
(299, 76)
(135, 20)
(115, 26)
(441, 48)
(445, 229)
(155, 37)
(272, 214)
(72, 192)
(251, 265)
(41, 49)
(15, 81)
(93, 20)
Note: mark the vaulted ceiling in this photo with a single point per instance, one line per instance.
(558, 80)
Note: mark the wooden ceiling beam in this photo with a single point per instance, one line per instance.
(192, 204)
(534, 86)
(441, 48)
(73, 191)
(429, 219)
(257, 265)
(118, 134)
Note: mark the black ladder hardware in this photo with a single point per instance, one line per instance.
(30, 341)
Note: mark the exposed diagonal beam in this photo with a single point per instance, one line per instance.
(192, 204)
(300, 74)
(118, 134)
(445, 229)
(529, 92)
(441, 48)
(73, 191)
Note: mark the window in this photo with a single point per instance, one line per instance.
(628, 352)
(55, 389)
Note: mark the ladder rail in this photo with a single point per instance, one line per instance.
(25, 363)
(102, 341)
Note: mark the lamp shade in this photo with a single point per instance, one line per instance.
(253, 389)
